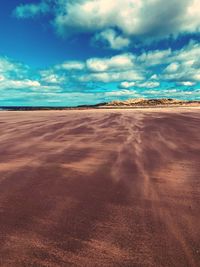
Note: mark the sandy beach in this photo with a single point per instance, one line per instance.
(99, 188)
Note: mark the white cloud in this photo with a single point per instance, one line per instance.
(71, 65)
(183, 65)
(172, 68)
(2, 78)
(15, 75)
(53, 78)
(188, 54)
(127, 71)
(187, 83)
(156, 57)
(31, 10)
(120, 93)
(120, 62)
(141, 18)
(27, 83)
(114, 40)
(154, 77)
(118, 76)
(7, 65)
(17, 84)
(196, 76)
(10, 68)
(144, 20)
(114, 69)
(149, 84)
(127, 85)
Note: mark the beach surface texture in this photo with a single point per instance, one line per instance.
(100, 188)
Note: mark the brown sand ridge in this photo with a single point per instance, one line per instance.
(142, 102)
(100, 188)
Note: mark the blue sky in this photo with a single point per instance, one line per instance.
(67, 52)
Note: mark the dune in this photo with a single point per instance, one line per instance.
(142, 102)
(100, 188)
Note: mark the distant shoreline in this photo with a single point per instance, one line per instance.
(127, 104)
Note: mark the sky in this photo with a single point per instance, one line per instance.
(76, 52)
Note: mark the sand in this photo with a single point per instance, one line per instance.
(100, 188)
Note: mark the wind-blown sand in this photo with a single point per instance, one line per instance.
(100, 188)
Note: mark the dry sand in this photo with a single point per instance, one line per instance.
(100, 188)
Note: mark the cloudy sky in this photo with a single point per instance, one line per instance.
(72, 52)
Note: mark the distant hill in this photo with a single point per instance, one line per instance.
(141, 102)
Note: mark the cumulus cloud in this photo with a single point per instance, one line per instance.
(142, 75)
(179, 66)
(2, 78)
(187, 83)
(126, 84)
(114, 40)
(124, 92)
(156, 57)
(172, 68)
(111, 69)
(147, 84)
(7, 66)
(71, 65)
(19, 84)
(52, 78)
(143, 20)
(108, 77)
(15, 75)
(154, 77)
(25, 11)
(183, 65)
(120, 62)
